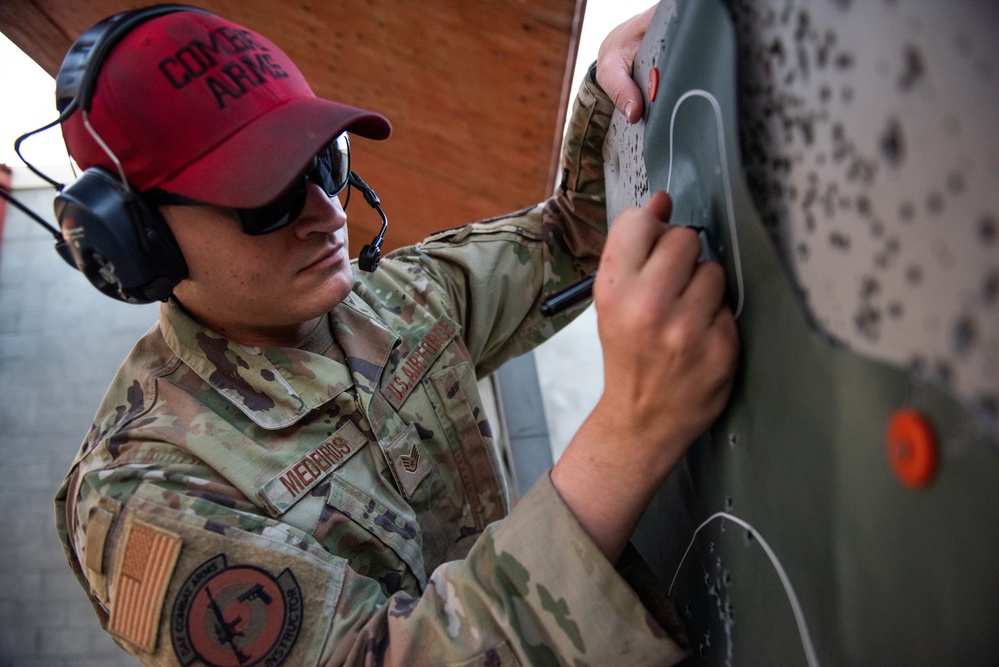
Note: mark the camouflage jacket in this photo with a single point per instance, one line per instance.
(343, 502)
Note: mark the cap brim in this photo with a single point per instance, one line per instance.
(257, 163)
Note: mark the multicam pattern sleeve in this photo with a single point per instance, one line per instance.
(344, 504)
(497, 271)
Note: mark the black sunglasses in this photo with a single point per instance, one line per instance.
(329, 170)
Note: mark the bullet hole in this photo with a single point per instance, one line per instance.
(749, 536)
(877, 229)
(895, 310)
(846, 94)
(843, 61)
(839, 241)
(863, 206)
(964, 335)
(811, 194)
(776, 51)
(988, 229)
(892, 143)
(869, 287)
(801, 251)
(867, 321)
(990, 288)
(913, 68)
(914, 274)
(804, 23)
(837, 133)
(807, 131)
(861, 170)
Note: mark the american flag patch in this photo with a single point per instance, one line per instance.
(147, 561)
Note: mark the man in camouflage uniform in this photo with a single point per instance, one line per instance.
(294, 466)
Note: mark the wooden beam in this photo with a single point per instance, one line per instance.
(476, 91)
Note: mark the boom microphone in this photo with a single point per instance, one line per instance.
(371, 253)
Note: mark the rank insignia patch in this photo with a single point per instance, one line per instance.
(409, 464)
(236, 616)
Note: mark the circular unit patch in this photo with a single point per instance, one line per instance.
(236, 616)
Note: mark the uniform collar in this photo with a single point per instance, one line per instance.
(366, 342)
(276, 387)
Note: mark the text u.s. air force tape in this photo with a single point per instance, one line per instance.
(417, 361)
(288, 487)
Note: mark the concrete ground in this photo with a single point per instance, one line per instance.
(60, 343)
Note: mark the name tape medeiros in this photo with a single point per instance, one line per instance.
(300, 477)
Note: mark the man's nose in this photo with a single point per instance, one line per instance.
(321, 212)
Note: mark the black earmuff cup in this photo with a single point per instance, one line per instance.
(120, 243)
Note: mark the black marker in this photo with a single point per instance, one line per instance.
(568, 297)
(574, 294)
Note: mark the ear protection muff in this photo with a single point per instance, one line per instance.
(120, 242)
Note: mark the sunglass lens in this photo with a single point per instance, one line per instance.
(329, 170)
(333, 165)
(272, 217)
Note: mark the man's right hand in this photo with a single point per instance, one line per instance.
(670, 348)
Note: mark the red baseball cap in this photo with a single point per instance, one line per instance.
(202, 107)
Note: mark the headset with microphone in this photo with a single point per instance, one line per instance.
(108, 231)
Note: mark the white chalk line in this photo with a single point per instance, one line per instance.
(799, 616)
(729, 206)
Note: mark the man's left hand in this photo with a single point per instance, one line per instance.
(615, 59)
